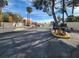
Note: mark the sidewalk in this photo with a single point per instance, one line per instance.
(9, 27)
(12, 29)
(73, 41)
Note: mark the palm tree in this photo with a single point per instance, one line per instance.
(29, 10)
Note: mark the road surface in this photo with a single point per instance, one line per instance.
(33, 44)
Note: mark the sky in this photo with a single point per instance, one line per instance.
(19, 6)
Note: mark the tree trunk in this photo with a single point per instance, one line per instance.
(63, 9)
(73, 8)
(53, 12)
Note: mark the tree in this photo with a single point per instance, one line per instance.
(29, 10)
(11, 17)
(62, 8)
(47, 6)
(17, 18)
(73, 3)
(5, 17)
(70, 18)
(3, 3)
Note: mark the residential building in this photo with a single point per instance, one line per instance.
(27, 21)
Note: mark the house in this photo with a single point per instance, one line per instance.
(27, 22)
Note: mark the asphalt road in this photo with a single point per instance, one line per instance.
(33, 44)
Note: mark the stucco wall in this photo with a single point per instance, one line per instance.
(74, 25)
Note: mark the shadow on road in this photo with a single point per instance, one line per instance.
(34, 45)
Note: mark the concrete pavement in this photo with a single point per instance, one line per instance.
(73, 41)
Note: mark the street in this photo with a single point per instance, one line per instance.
(33, 44)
